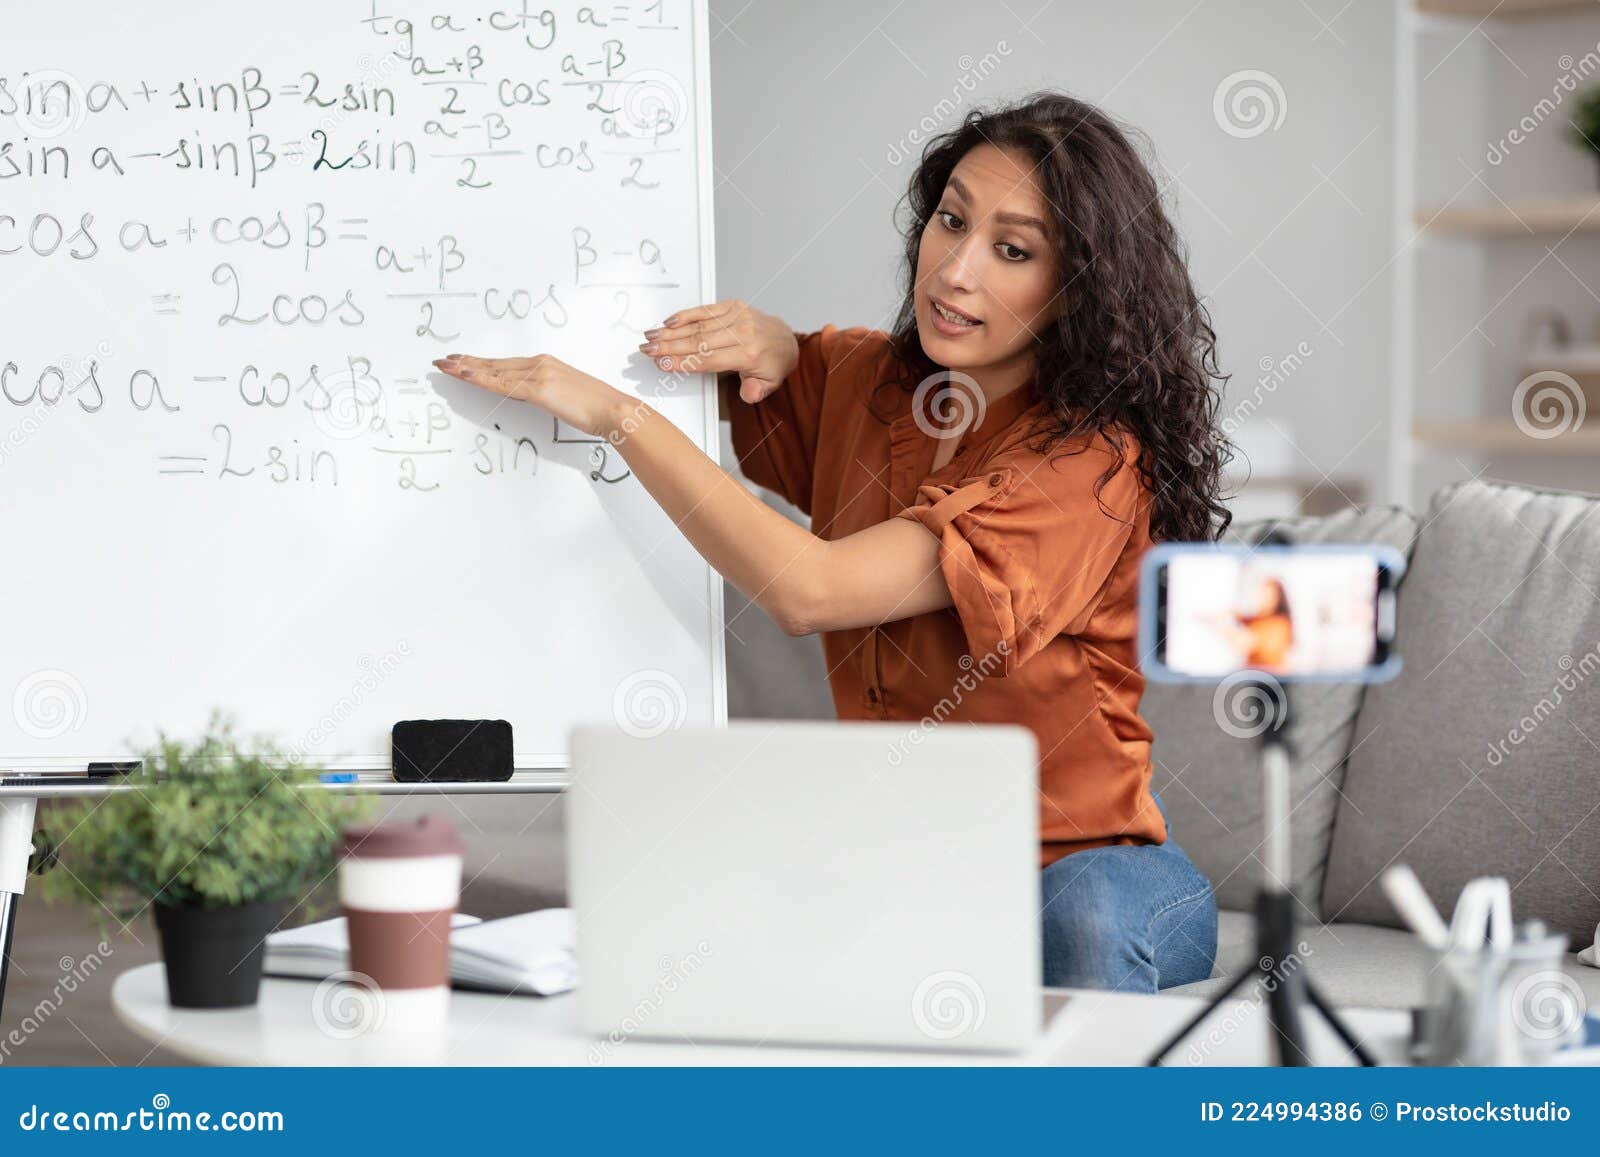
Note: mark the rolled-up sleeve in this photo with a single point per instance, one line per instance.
(1027, 547)
(775, 439)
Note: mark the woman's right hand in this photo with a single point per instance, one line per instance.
(726, 337)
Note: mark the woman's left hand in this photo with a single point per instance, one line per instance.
(582, 402)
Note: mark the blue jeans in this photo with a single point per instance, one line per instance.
(1134, 917)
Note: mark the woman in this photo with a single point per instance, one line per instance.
(1265, 632)
(982, 482)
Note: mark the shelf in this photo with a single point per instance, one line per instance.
(1285, 481)
(1500, 436)
(1525, 218)
(1499, 9)
(1581, 361)
(1315, 495)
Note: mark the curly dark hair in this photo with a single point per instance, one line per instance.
(1134, 348)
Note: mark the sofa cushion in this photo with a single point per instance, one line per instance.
(1208, 779)
(1355, 965)
(1483, 756)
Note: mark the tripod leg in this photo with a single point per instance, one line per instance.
(1194, 1022)
(1278, 958)
(1283, 1006)
(1330, 1015)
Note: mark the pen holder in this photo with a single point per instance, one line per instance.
(1498, 1006)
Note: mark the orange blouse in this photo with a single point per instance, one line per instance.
(1045, 583)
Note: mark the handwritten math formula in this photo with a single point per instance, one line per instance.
(244, 250)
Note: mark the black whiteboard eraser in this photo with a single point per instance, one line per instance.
(451, 750)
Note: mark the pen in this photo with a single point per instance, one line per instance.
(1406, 893)
(338, 777)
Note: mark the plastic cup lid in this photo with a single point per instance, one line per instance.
(428, 835)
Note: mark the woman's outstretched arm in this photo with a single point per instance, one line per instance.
(806, 584)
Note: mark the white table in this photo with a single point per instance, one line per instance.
(1094, 1028)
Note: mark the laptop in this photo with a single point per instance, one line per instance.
(862, 884)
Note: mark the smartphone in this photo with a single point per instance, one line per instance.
(1318, 612)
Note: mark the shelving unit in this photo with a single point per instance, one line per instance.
(1530, 212)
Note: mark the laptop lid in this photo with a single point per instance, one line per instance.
(857, 883)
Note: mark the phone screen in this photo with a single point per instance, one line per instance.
(1279, 611)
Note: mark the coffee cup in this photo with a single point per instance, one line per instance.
(399, 886)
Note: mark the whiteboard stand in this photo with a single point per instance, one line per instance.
(620, 240)
(16, 848)
(19, 805)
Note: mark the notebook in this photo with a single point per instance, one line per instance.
(531, 954)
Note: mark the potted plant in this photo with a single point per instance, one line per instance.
(218, 837)
(1583, 127)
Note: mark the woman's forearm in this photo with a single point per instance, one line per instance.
(773, 562)
(805, 583)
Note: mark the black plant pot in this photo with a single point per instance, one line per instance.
(214, 955)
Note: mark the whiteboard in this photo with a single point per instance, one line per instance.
(233, 237)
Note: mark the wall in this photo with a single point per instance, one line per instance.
(815, 106)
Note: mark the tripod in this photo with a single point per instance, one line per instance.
(1275, 966)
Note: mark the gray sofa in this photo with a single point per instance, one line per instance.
(1481, 758)
(1500, 604)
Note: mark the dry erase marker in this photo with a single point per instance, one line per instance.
(338, 777)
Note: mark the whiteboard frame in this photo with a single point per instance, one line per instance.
(706, 170)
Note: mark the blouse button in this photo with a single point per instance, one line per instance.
(962, 450)
(995, 480)
(872, 694)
